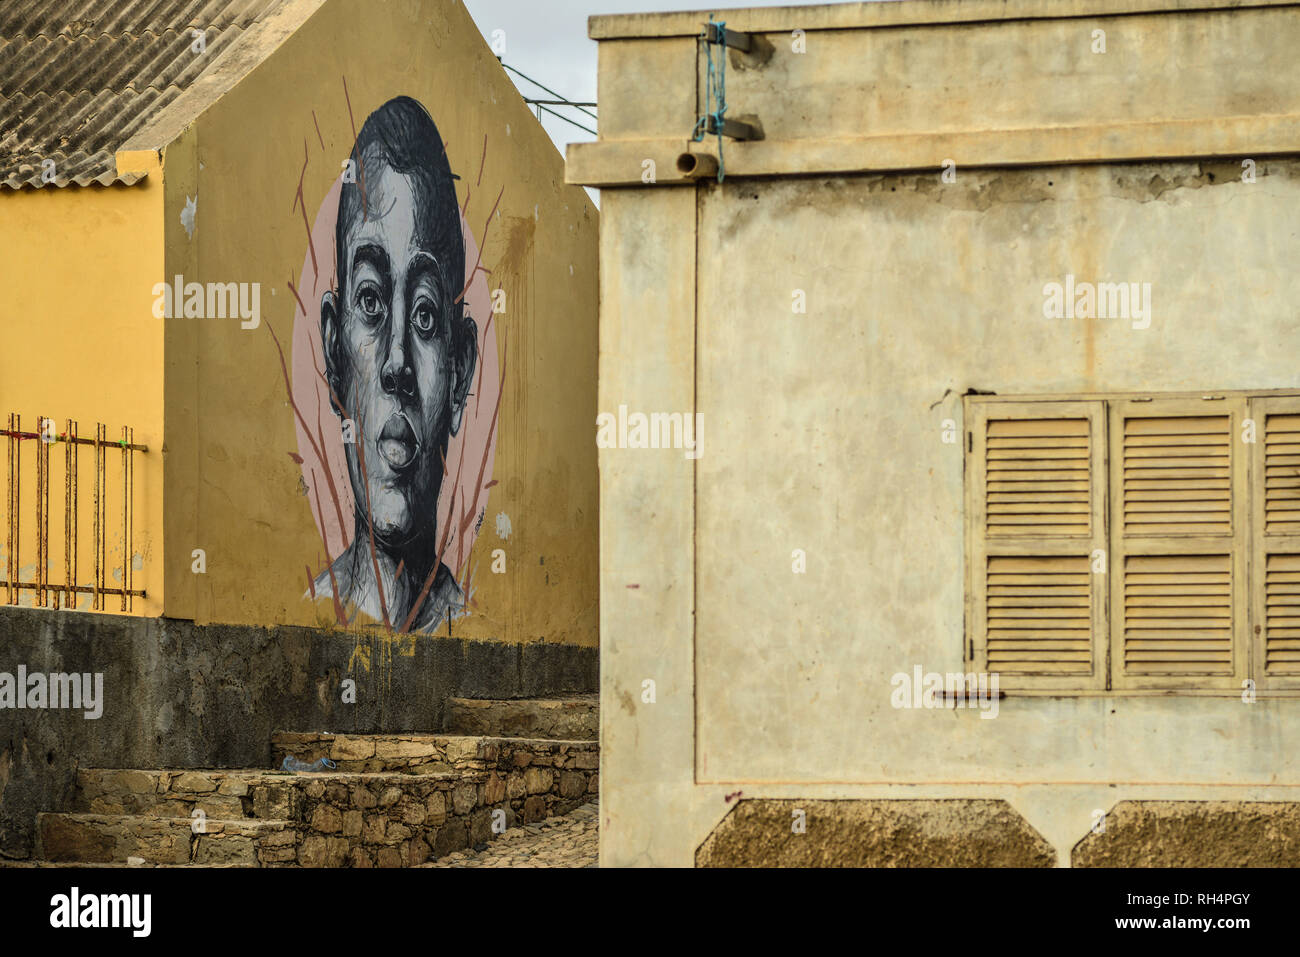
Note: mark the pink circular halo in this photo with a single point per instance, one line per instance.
(471, 451)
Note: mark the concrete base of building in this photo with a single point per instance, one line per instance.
(854, 833)
(990, 833)
(1194, 834)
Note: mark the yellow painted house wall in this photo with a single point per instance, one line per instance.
(233, 488)
(78, 340)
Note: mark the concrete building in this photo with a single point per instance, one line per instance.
(313, 266)
(986, 317)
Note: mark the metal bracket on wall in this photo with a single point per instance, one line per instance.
(715, 32)
(734, 129)
(713, 122)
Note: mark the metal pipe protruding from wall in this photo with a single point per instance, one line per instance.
(696, 165)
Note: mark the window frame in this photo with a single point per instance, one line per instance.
(1247, 541)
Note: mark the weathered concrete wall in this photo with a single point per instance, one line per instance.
(192, 696)
(833, 422)
(826, 325)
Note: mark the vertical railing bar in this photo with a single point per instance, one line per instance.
(42, 512)
(95, 598)
(76, 508)
(9, 511)
(36, 595)
(103, 520)
(103, 516)
(126, 535)
(130, 528)
(70, 443)
(43, 448)
(18, 503)
(10, 567)
(94, 527)
(38, 598)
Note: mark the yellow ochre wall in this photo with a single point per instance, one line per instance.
(78, 340)
(233, 488)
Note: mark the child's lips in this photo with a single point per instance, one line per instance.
(397, 442)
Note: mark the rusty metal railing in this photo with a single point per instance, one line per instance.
(50, 593)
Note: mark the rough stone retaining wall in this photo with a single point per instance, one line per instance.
(388, 819)
(194, 696)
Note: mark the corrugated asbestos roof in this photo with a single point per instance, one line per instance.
(79, 77)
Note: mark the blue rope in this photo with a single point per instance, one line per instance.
(715, 93)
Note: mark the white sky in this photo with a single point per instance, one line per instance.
(547, 39)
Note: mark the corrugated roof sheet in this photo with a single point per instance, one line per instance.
(79, 77)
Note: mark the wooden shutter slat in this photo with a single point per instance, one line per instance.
(1037, 477)
(1281, 475)
(1047, 428)
(1169, 484)
(1176, 425)
(1176, 636)
(1282, 611)
(1176, 475)
(1037, 629)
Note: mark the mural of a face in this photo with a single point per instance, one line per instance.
(399, 354)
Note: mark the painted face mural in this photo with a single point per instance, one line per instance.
(400, 349)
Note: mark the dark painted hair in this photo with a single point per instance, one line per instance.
(402, 136)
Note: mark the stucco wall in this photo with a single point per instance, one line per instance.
(232, 197)
(239, 493)
(79, 342)
(727, 671)
(832, 423)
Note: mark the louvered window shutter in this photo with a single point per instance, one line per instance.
(1036, 511)
(1275, 522)
(1178, 543)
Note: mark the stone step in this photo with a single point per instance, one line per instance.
(568, 719)
(394, 800)
(220, 794)
(87, 865)
(104, 838)
(425, 753)
(342, 818)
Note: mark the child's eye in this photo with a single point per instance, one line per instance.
(370, 304)
(423, 317)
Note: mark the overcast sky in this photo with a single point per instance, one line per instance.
(547, 39)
